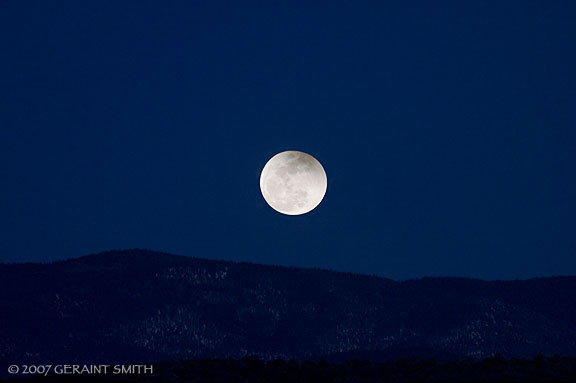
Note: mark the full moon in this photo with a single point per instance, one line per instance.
(293, 182)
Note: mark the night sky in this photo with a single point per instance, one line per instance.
(447, 130)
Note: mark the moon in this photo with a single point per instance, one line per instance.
(293, 182)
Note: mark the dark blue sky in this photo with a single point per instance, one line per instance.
(447, 130)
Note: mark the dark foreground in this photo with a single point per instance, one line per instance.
(143, 305)
(248, 370)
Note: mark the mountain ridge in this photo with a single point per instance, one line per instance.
(146, 305)
(138, 251)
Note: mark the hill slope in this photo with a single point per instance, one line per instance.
(138, 305)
